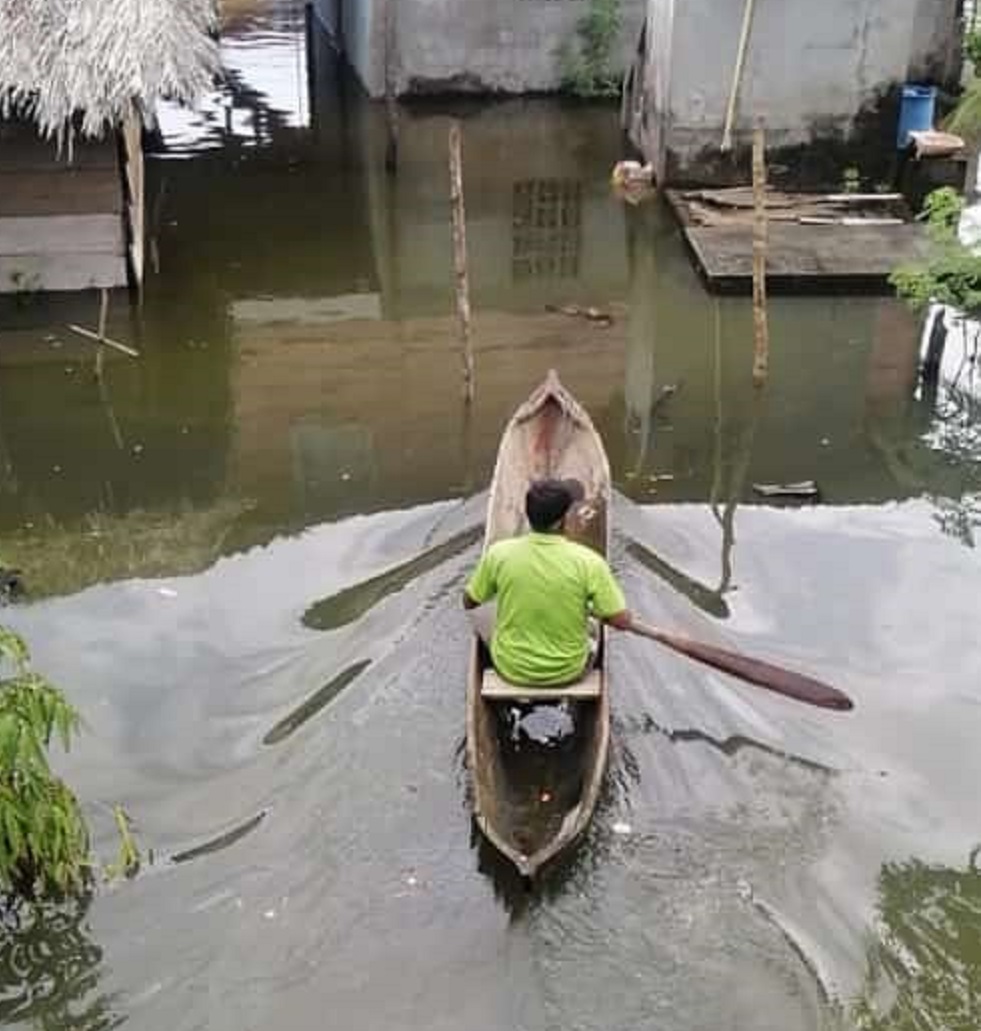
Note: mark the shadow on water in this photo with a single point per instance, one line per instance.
(222, 841)
(50, 969)
(353, 602)
(730, 746)
(708, 599)
(317, 701)
(926, 958)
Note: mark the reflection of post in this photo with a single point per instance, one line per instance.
(103, 316)
(460, 256)
(641, 329)
(8, 481)
(737, 478)
(737, 484)
(391, 107)
(761, 344)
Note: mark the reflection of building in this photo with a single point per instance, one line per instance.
(350, 416)
(542, 226)
(75, 220)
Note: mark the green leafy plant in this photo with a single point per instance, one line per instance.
(129, 860)
(952, 274)
(972, 48)
(44, 842)
(587, 65)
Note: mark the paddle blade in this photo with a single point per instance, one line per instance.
(755, 671)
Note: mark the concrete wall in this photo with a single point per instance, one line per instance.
(357, 27)
(811, 68)
(510, 46)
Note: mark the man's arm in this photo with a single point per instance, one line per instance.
(622, 620)
(482, 585)
(608, 602)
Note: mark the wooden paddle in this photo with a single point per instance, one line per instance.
(755, 671)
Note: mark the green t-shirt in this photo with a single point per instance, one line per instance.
(545, 586)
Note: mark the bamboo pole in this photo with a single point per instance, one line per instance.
(460, 257)
(737, 75)
(761, 342)
(88, 334)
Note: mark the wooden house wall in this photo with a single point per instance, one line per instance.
(61, 219)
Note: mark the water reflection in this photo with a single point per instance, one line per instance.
(927, 953)
(50, 969)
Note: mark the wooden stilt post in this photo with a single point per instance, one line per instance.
(761, 342)
(460, 257)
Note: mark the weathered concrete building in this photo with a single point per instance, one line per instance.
(812, 71)
(428, 46)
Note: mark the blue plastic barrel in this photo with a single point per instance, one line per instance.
(915, 112)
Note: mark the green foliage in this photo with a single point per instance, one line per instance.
(588, 68)
(972, 48)
(952, 275)
(44, 843)
(965, 120)
(129, 860)
(943, 209)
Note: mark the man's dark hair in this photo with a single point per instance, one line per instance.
(547, 501)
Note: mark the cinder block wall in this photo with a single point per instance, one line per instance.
(811, 68)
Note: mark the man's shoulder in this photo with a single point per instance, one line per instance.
(583, 552)
(504, 548)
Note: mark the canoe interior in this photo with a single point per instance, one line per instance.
(533, 800)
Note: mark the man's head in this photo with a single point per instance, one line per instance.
(547, 502)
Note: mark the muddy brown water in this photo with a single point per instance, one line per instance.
(245, 552)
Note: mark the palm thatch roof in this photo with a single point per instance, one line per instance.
(62, 60)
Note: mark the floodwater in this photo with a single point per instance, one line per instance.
(245, 551)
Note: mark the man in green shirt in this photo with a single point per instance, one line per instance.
(546, 588)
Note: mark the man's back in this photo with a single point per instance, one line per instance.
(546, 586)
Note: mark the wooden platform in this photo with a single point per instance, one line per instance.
(63, 223)
(498, 689)
(813, 255)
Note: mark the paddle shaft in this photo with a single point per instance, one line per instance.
(755, 671)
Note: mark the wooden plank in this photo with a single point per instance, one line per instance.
(58, 234)
(806, 256)
(497, 689)
(61, 272)
(61, 192)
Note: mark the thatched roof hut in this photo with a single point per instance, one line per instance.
(93, 59)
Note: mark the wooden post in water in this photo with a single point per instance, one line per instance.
(761, 341)
(103, 317)
(460, 257)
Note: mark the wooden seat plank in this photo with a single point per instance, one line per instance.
(495, 687)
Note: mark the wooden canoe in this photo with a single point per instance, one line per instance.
(532, 802)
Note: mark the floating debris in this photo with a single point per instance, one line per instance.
(622, 828)
(800, 489)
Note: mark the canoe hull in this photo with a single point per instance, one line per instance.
(534, 801)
